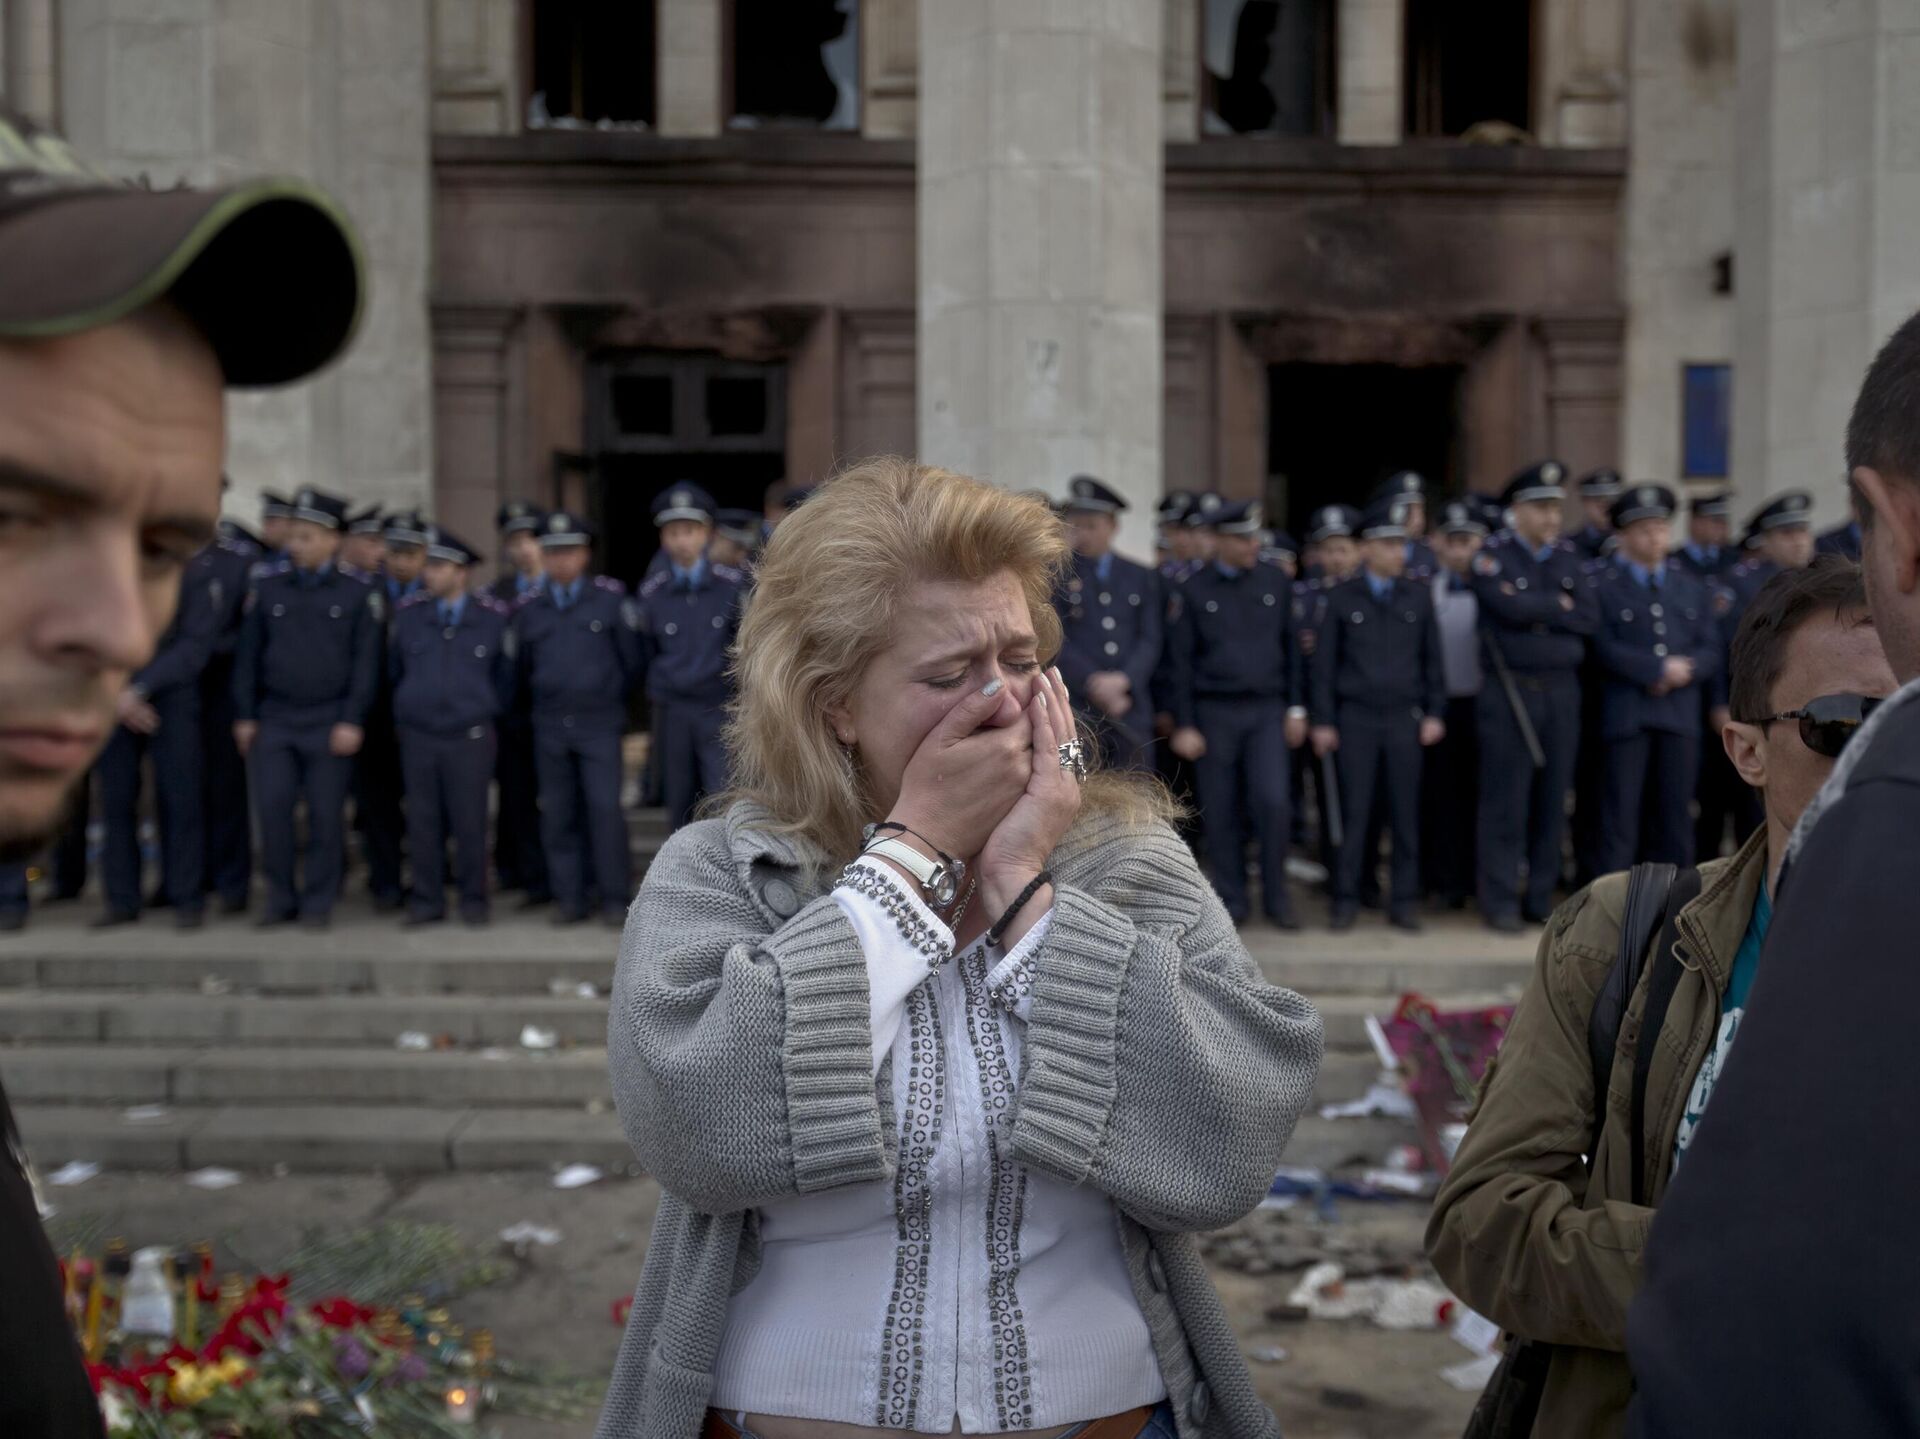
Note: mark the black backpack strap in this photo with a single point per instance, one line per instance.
(1646, 905)
(1661, 982)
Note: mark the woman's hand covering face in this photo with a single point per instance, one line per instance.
(1020, 845)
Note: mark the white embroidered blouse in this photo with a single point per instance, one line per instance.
(968, 1287)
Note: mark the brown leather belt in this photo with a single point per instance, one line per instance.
(1114, 1426)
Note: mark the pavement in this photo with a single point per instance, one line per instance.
(1344, 1380)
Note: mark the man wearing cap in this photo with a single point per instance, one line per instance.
(1378, 694)
(160, 719)
(1410, 488)
(1656, 644)
(688, 616)
(364, 550)
(228, 869)
(451, 674)
(1537, 612)
(1111, 616)
(123, 313)
(736, 537)
(276, 512)
(1237, 706)
(1449, 793)
(1173, 543)
(1598, 491)
(1332, 555)
(518, 856)
(1706, 554)
(1840, 540)
(575, 643)
(304, 679)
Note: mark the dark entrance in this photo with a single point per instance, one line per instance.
(1336, 431)
(654, 419)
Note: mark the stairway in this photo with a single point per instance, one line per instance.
(147, 1048)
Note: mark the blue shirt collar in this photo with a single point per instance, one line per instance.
(1643, 576)
(1103, 567)
(565, 595)
(693, 576)
(1540, 555)
(522, 583)
(1226, 569)
(451, 610)
(1381, 587)
(1703, 554)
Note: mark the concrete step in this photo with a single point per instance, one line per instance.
(93, 1016)
(134, 1075)
(323, 1137)
(350, 968)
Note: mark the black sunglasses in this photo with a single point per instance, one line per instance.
(1828, 722)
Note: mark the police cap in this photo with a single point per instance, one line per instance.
(1546, 480)
(1642, 502)
(1385, 519)
(1405, 485)
(1462, 517)
(405, 527)
(1242, 517)
(1783, 511)
(365, 522)
(517, 515)
(683, 502)
(740, 526)
(445, 545)
(317, 507)
(1715, 506)
(275, 506)
(1600, 485)
(1084, 492)
(562, 528)
(1205, 506)
(1173, 506)
(1330, 522)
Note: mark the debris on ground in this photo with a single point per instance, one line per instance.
(574, 1176)
(1268, 1354)
(534, 1036)
(1326, 1293)
(525, 1235)
(74, 1171)
(1470, 1376)
(213, 1177)
(414, 1041)
(1384, 1097)
(145, 1114)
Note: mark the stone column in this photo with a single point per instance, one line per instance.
(689, 67)
(336, 91)
(1040, 243)
(1371, 45)
(28, 59)
(1828, 184)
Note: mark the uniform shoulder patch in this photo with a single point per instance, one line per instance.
(525, 598)
(632, 616)
(267, 569)
(1485, 565)
(489, 602)
(609, 584)
(730, 574)
(418, 597)
(652, 586)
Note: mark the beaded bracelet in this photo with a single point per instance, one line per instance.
(999, 929)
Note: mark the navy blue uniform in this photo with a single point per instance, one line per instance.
(451, 677)
(1376, 673)
(229, 831)
(1591, 542)
(379, 787)
(1725, 799)
(1112, 618)
(1235, 672)
(1527, 621)
(1309, 613)
(687, 624)
(1652, 740)
(171, 684)
(577, 656)
(13, 896)
(308, 659)
(1840, 540)
(518, 854)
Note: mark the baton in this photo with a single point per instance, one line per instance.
(1520, 716)
(1330, 802)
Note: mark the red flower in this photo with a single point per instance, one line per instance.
(621, 1309)
(341, 1312)
(259, 1316)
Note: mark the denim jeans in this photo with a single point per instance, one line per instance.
(1159, 1425)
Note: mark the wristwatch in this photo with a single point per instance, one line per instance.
(939, 878)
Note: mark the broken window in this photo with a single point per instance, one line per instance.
(796, 63)
(1468, 65)
(1269, 67)
(593, 64)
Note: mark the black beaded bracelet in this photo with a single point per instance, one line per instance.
(999, 929)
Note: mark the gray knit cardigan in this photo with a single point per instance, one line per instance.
(1159, 1067)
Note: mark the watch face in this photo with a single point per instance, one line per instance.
(943, 884)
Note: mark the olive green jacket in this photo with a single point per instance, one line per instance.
(1518, 1230)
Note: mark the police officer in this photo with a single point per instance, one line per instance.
(1598, 491)
(378, 782)
(1111, 617)
(1657, 645)
(1332, 554)
(1841, 540)
(1536, 612)
(1449, 794)
(276, 514)
(1333, 543)
(1171, 549)
(575, 641)
(228, 868)
(451, 676)
(1237, 706)
(688, 617)
(518, 855)
(1410, 487)
(1706, 555)
(1377, 696)
(364, 550)
(1279, 548)
(159, 715)
(736, 538)
(304, 678)
(13, 897)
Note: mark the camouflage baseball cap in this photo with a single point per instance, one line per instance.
(269, 269)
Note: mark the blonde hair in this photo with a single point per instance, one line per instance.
(822, 608)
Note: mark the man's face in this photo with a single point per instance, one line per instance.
(727, 552)
(404, 562)
(273, 531)
(1536, 522)
(1788, 546)
(444, 579)
(1597, 515)
(1457, 550)
(1825, 655)
(1416, 519)
(1288, 561)
(111, 443)
(310, 546)
(565, 563)
(1707, 531)
(1645, 542)
(363, 552)
(1339, 556)
(1090, 532)
(1242, 552)
(1386, 557)
(684, 541)
(523, 552)
(1888, 509)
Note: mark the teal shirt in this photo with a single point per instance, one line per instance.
(1733, 1005)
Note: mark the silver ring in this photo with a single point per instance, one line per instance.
(1073, 757)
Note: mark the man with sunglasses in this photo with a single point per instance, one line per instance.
(1781, 1279)
(1523, 1230)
